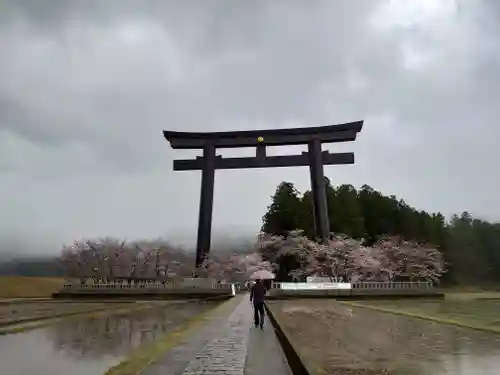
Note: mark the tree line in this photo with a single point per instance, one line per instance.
(470, 246)
(110, 260)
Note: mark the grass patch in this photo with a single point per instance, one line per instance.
(463, 310)
(148, 354)
(29, 287)
(471, 296)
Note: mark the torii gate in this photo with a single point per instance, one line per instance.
(315, 158)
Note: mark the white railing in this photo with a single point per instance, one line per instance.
(393, 285)
(311, 286)
(145, 286)
(367, 285)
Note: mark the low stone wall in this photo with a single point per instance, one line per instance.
(347, 294)
(355, 291)
(151, 291)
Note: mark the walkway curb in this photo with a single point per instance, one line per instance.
(295, 363)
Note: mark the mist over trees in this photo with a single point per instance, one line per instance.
(374, 237)
(470, 247)
(17, 263)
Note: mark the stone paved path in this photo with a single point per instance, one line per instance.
(228, 344)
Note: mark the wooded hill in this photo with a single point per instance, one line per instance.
(471, 246)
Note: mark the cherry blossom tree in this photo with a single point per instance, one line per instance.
(79, 261)
(293, 253)
(341, 258)
(233, 267)
(70, 260)
(253, 262)
(107, 254)
(327, 260)
(364, 264)
(411, 260)
(346, 258)
(109, 259)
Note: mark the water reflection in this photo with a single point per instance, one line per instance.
(414, 346)
(116, 334)
(89, 346)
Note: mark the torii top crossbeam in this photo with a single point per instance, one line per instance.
(275, 137)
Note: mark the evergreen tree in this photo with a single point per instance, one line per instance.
(306, 215)
(284, 212)
(347, 215)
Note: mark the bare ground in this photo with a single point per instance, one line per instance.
(28, 287)
(337, 339)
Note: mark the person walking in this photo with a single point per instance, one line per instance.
(257, 294)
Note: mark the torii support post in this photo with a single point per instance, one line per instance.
(315, 158)
(206, 204)
(320, 209)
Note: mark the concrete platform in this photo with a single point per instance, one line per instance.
(190, 289)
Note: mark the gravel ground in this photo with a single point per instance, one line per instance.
(337, 339)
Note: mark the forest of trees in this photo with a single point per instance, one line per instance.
(471, 247)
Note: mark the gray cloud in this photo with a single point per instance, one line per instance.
(87, 87)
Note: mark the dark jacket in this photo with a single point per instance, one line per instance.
(257, 293)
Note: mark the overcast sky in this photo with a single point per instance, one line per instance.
(86, 87)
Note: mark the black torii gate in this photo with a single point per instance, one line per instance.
(315, 158)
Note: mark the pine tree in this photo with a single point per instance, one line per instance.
(284, 212)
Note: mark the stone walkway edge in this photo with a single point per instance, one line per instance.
(145, 356)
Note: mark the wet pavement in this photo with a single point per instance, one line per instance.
(90, 346)
(227, 344)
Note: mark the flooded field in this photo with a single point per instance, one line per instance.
(89, 346)
(334, 338)
(20, 311)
